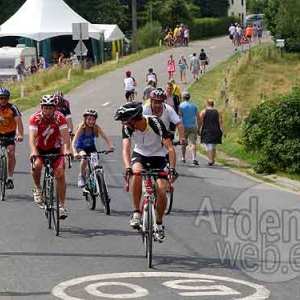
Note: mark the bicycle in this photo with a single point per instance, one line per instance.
(50, 199)
(131, 96)
(148, 226)
(95, 182)
(3, 165)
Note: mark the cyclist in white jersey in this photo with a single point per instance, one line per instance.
(151, 76)
(152, 143)
(165, 112)
(129, 85)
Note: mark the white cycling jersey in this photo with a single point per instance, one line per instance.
(169, 114)
(148, 142)
(129, 83)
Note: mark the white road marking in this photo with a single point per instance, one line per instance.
(139, 291)
(59, 291)
(105, 104)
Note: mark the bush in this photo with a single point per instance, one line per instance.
(209, 27)
(149, 35)
(272, 131)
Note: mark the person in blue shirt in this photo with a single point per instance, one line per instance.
(191, 121)
(84, 140)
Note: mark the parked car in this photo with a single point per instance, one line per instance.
(257, 19)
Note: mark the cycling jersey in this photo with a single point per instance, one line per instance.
(151, 76)
(169, 115)
(86, 141)
(48, 130)
(129, 83)
(148, 142)
(64, 108)
(7, 118)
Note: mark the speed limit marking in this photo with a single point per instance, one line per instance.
(208, 285)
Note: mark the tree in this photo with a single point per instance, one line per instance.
(271, 13)
(256, 6)
(8, 8)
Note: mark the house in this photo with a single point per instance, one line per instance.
(237, 8)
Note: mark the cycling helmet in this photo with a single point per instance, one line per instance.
(129, 111)
(48, 100)
(186, 95)
(157, 95)
(90, 112)
(128, 73)
(4, 92)
(59, 96)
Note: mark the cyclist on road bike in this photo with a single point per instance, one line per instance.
(129, 84)
(10, 122)
(63, 106)
(84, 140)
(165, 112)
(152, 143)
(48, 134)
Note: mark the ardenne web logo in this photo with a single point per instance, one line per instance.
(261, 235)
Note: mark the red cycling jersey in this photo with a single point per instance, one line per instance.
(48, 130)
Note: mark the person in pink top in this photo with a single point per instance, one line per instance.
(171, 67)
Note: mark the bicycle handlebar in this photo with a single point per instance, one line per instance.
(49, 156)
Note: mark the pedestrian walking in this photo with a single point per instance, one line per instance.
(171, 67)
(182, 69)
(204, 61)
(195, 66)
(212, 129)
(191, 122)
(21, 70)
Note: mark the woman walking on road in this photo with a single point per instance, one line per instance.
(182, 69)
(212, 129)
(171, 67)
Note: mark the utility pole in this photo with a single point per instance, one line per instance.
(134, 27)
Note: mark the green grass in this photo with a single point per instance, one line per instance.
(56, 79)
(252, 78)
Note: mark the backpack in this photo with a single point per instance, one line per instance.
(202, 56)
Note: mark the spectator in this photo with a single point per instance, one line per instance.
(171, 67)
(21, 70)
(212, 130)
(249, 33)
(259, 33)
(186, 37)
(61, 59)
(203, 61)
(33, 67)
(191, 121)
(254, 33)
(195, 66)
(74, 59)
(42, 62)
(182, 69)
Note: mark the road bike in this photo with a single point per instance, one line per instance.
(50, 199)
(131, 96)
(95, 181)
(3, 165)
(148, 228)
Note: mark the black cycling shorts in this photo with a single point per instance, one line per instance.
(156, 162)
(87, 150)
(128, 94)
(11, 136)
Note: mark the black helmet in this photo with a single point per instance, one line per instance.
(90, 112)
(129, 111)
(186, 95)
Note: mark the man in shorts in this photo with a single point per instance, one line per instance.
(191, 121)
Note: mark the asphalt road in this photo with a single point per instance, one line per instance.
(100, 257)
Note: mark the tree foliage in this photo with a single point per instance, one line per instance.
(256, 6)
(8, 8)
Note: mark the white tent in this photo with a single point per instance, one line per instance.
(111, 32)
(43, 19)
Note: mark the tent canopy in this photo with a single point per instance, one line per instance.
(43, 19)
(111, 32)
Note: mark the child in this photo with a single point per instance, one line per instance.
(84, 140)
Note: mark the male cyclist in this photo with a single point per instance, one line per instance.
(63, 106)
(48, 134)
(152, 143)
(165, 112)
(129, 85)
(10, 121)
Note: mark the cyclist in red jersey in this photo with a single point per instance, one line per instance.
(63, 106)
(48, 134)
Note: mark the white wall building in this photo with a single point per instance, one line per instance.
(237, 8)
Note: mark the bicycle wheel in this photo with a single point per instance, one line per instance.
(90, 193)
(170, 194)
(149, 235)
(54, 200)
(3, 175)
(103, 192)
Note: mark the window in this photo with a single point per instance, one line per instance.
(232, 13)
(232, 2)
(242, 2)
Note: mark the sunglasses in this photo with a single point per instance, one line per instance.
(3, 98)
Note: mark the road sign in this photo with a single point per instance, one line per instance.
(80, 31)
(244, 40)
(280, 42)
(81, 49)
